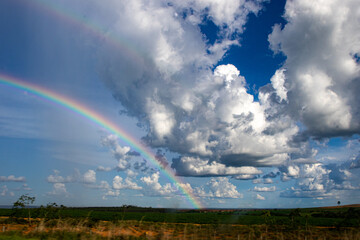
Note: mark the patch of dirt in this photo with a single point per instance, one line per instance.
(177, 231)
(343, 206)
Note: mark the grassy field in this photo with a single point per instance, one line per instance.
(130, 222)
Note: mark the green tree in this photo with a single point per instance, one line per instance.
(23, 202)
(52, 211)
(294, 216)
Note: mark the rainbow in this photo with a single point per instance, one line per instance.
(100, 120)
(126, 46)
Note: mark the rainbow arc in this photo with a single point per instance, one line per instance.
(103, 122)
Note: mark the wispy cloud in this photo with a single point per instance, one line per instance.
(12, 178)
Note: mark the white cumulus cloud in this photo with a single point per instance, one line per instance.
(4, 191)
(154, 188)
(321, 43)
(264, 189)
(89, 177)
(190, 166)
(186, 103)
(59, 189)
(128, 183)
(259, 197)
(121, 154)
(218, 188)
(12, 178)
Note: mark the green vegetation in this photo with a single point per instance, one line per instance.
(345, 217)
(130, 222)
(15, 236)
(21, 203)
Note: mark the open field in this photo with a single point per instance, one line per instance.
(130, 222)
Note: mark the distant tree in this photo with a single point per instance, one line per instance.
(293, 215)
(339, 203)
(52, 210)
(24, 201)
(266, 214)
(295, 212)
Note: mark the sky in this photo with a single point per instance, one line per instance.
(199, 103)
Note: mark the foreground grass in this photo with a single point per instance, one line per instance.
(335, 217)
(14, 237)
(147, 223)
(130, 229)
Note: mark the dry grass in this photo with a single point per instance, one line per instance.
(83, 229)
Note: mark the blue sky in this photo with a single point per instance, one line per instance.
(250, 103)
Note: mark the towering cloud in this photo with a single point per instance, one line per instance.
(167, 77)
(121, 154)
(321, 43)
